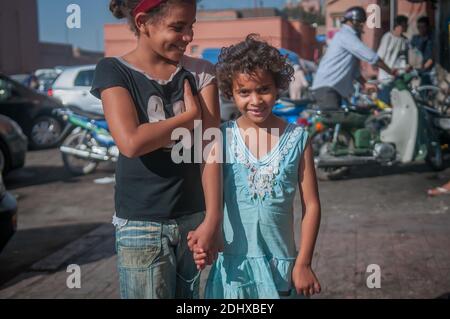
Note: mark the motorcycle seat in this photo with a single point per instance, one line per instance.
(360, 110)
(304, 101)
(90, 115)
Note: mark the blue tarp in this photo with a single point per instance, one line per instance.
(211, 54)
(292, 56)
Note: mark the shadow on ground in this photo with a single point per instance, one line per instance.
(40, 175)
(367, 171)
(19, 255)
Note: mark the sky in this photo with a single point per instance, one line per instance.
(52, 18)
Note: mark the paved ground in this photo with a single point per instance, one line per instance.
(375, 216)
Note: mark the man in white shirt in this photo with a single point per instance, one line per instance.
(393, 49)
(298, 84)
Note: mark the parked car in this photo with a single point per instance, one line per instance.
(21, 78)
(8, 215)
(32, 111)
(13, 145)
(72, 88)
(46, 78)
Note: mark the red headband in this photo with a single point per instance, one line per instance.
(146, 5)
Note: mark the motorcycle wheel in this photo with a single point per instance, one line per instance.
(74, 164)
(321, 145)
(434, 157)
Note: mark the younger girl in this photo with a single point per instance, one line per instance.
(261, 175)
(146, 94)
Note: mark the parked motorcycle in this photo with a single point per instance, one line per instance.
(290, 110)
(354, 137)
(89, 143)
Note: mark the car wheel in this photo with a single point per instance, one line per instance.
(45, 132)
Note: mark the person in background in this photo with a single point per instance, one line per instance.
(298, 84)
(441, 190)
(340, 66)
(33, 82)
(423, 44)
(393, 49)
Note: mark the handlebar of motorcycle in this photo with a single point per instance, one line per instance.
(62, 112)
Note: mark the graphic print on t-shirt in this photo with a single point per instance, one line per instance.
(155, 109)
(156, 113)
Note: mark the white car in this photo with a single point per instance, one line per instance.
(72, 88)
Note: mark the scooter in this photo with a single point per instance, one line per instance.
(89, 143)
(290, 110)
(403, 135)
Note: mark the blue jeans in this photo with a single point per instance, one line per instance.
(154, 260)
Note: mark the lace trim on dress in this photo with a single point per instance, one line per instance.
(262, 175)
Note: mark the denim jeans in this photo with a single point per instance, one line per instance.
(154, 260)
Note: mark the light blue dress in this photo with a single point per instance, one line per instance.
(259, 252)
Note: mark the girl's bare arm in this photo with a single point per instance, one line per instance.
(208, 235)
(134, 139)
(304, 278)
(309, 196)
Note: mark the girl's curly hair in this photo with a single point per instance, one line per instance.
(247, 57)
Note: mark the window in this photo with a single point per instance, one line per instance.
(336, 18)
(337, 22)
(84, 78)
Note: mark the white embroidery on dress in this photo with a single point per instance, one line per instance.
(262, 177)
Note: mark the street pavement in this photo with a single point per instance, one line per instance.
(375, 216)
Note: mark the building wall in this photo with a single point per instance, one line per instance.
(224, 33)
(20, 49)
(18, 36)
(216, 34)
(58, 54)
(217, 15)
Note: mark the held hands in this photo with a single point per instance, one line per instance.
(191, 103)
(205, 242)
(305, 281)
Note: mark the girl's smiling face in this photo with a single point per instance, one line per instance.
(255, 95)
(170, 35)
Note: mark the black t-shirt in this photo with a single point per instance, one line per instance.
(152, 187)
